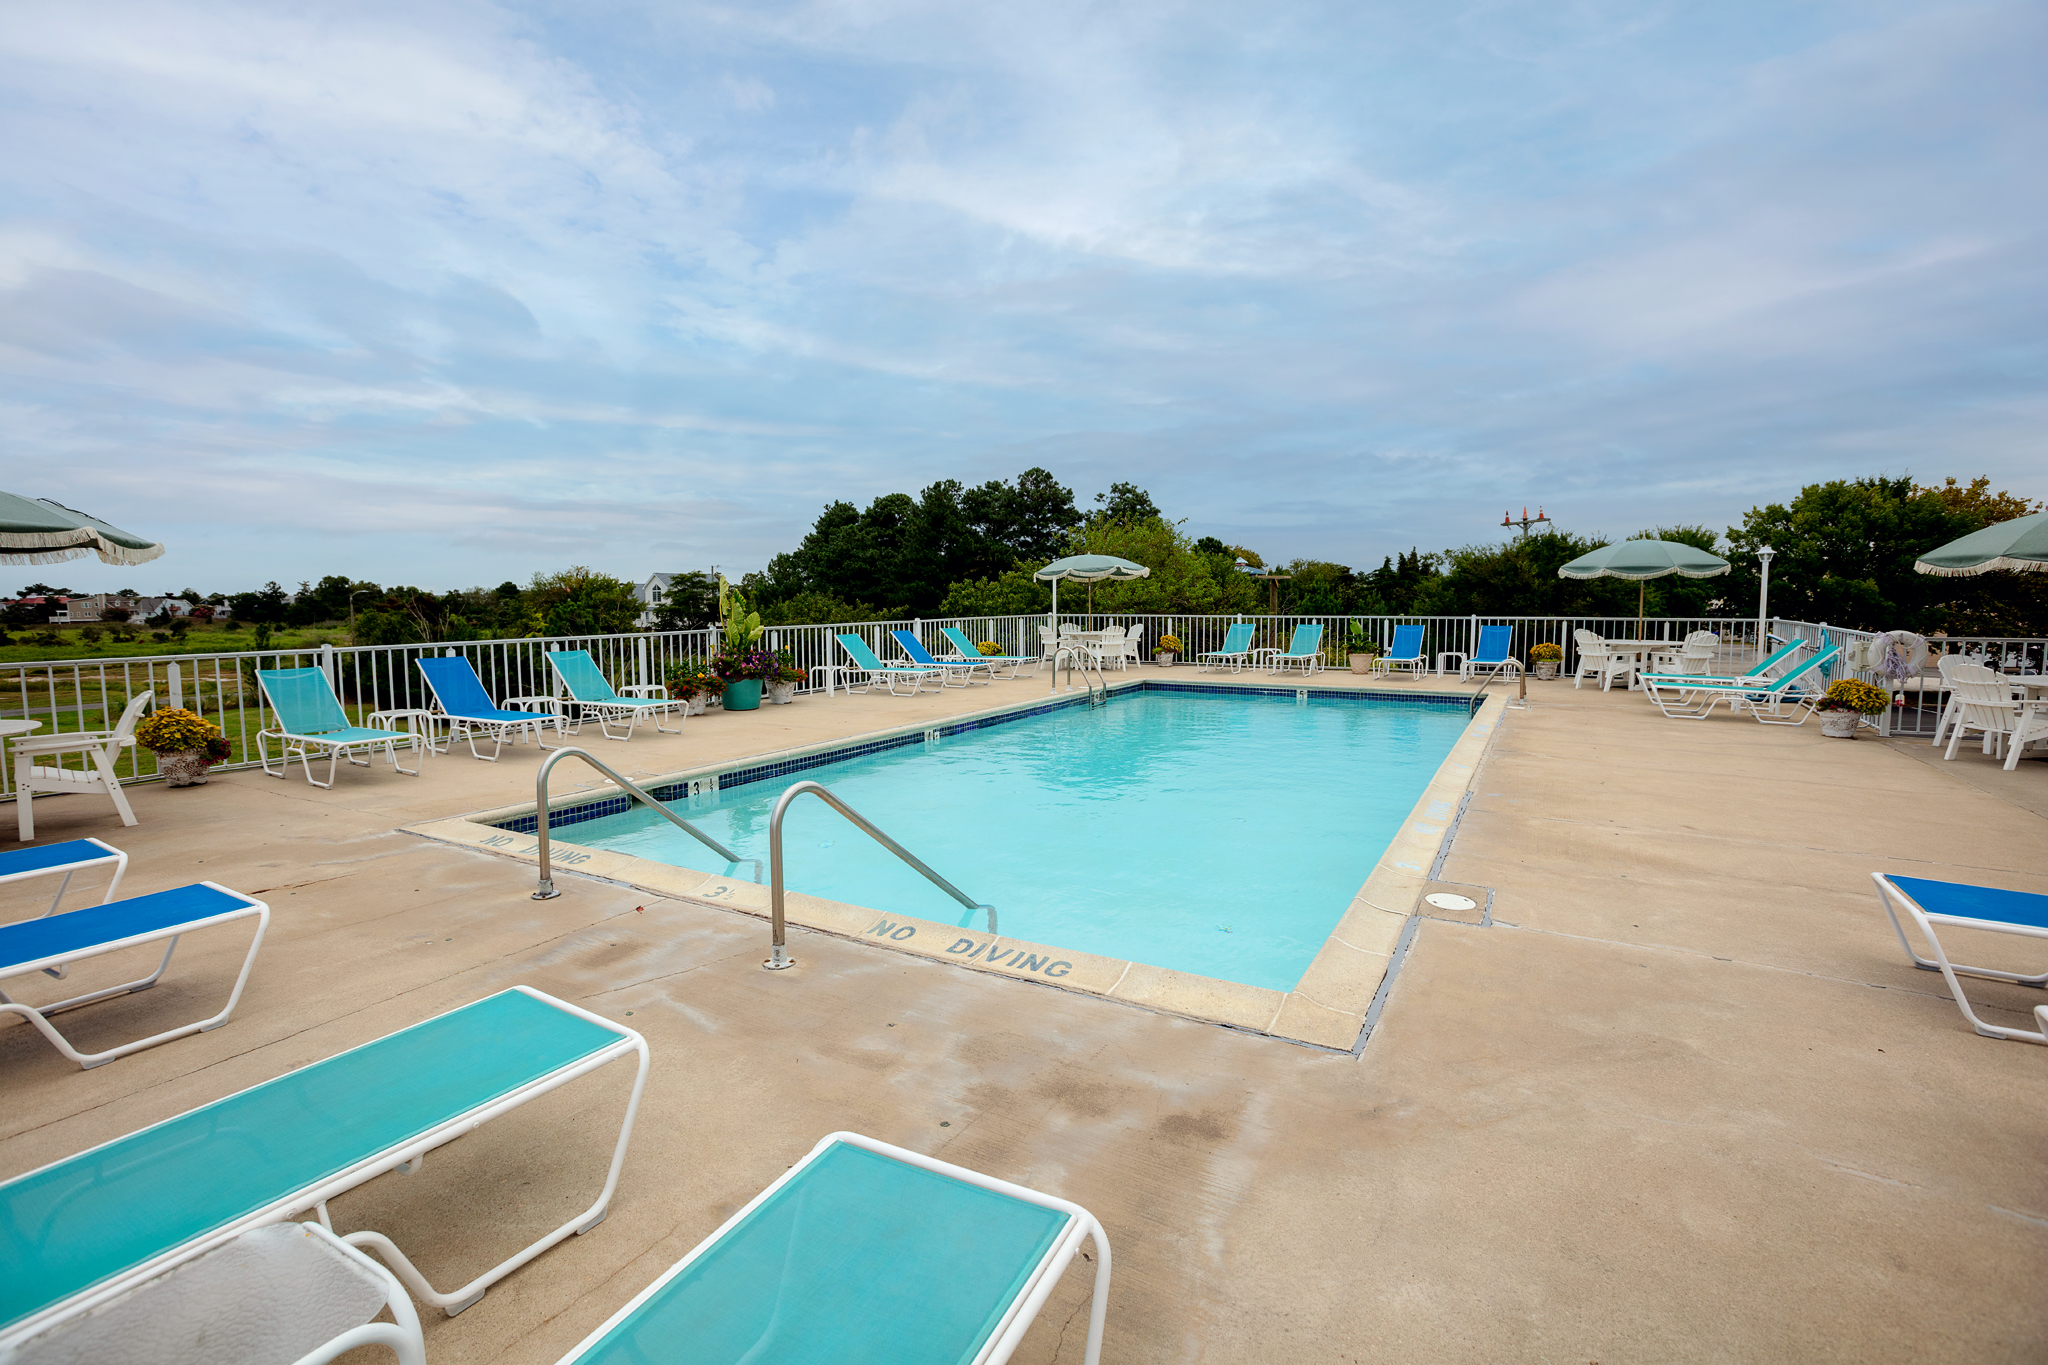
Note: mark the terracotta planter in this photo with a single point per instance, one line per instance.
(1164, 658)
(779, 693)
(1546, 669)
(1362, 663)
(1839, 724)
(185, 768)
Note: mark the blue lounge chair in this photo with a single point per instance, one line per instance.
(1237, 645)
(70, 857)
(460, 695)
(53, 943)
(594, 696)
(84, 1229)
(1959, 905)
(873, 670)
(1494, 654)
(1695, 698)
(963, 669)
(863, 1254)
(309, 716)
(970, 650)
(1405, 652)
(1306, 649)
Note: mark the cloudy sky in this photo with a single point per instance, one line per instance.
(448, 293)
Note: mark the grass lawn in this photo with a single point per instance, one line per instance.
(201, 640)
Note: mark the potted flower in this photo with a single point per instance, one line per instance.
(1364, 651)
(988, 649)
(740, 663)
(782, 678)
(1847, 701)
(1167, 651)
(1546, 657)
(185, 745)
(692, 681)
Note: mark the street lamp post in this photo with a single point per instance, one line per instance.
(1763, 604)
(352, 613)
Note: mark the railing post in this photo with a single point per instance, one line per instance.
(327, 663)
(174, 679)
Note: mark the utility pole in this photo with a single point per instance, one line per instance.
(1526, 520)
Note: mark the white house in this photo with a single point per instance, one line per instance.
(650, 595)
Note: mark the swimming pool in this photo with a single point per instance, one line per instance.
(1222, 835)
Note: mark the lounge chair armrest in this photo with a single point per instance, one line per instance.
(544, 705)
(644, 690)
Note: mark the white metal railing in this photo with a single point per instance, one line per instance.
(89, 694)
(1917, 706)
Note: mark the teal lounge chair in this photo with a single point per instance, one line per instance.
(309, 716)
(1695, 698)
(593, 696)
(863, 1254)
(1494, 654)
(53, 943)
(85, 1229)
(469, 709)
(1961, 906)
(963, 669)
(969, 650)
(1405, 652)
(873, 670)
(1764, 672)
(1306, 649)
(1237, 645)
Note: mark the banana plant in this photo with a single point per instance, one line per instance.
(742, 627)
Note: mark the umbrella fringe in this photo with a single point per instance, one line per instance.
(44, 556)
(2001, 562)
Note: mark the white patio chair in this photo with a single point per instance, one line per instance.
(1987, 706)
(1109, 645)
(1946, 665)
(285, 1294)
(1597, 661)
(101, 749)
(1134, 642)
(1048, 643)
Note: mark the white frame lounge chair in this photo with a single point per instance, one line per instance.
(1304, 648)
(1503, 659)
(101, 748)
(1237, 648)
(460, 697)
(957, 638)
(963, 669)
(592, 695)
(286, 1294)
(311, 718)
(873, 670)
(1413, 661)
(70, 857)
(863, 1251)
(52, 944)
(1695, 698)
(81, 1231)
(1960, 905)
(1769, 670)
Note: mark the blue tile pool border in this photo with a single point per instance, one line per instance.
(666, 792)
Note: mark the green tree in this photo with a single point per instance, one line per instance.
(1013, 593)
(265, 606)
(579, 601)
(1182, 579)
(1519, 577)
(1845, 552)
(691, 602)
(1123, 505)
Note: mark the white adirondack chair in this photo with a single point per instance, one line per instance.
(101, 748)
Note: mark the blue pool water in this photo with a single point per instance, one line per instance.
(1220, 835)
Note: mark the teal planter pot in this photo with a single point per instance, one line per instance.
(744, 695)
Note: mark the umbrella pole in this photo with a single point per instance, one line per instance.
(1091, 604)
(1641, 586)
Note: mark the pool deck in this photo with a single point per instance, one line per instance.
(1683, 1099)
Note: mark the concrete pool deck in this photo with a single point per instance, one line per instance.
(1683, 1099)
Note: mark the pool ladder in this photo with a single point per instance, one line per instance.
(1098, 690)
(778, 951)
(547, 891)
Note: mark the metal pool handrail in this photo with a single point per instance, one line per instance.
(778, 947)
(1084, 657)
(547, 890)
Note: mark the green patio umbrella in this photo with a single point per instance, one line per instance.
(38, 531)
(1642, 560)
(1089, 569)
(2020, 544)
